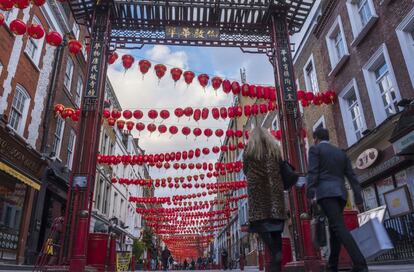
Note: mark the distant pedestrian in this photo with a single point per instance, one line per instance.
(165, 255)
(261, 165)
(328, 167)
(224, 256)
(192, 264)
(185, 264)
(199, 263)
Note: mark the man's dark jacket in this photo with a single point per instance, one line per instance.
(328, 167)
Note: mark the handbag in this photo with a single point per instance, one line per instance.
(318, 227)
(289, 176)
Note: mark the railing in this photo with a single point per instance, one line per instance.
(401, 232)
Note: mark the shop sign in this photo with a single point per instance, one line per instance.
(367, 158)
(380, 168)
(123, 259)
(403, 142)
(192, 33)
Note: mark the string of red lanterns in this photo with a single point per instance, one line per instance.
(307, 98)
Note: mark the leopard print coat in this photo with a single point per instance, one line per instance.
(265, 188)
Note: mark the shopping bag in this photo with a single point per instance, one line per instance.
(372, 239)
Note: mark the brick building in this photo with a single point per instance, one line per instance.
(364, 50)
(35, 76)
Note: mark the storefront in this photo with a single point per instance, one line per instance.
(387, 179)
(20, 171)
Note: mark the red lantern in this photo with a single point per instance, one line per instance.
(197, 132)
(204, 113)
(138, 114)
(130, 125)
(140, 126)
(219, 132)
(116, 114)
(106, 113)
(173, 130)
(151, 127)
(54, 38)
(74, 46)
(245, 90)
(216, 149)
(59, 108)
(38, 3)
(188, 77)
(1, 19)
(127, 61)
(120, 124)
(144, 66)
(301, 95)
(229, 133)
(203, 80)
(179, 112)
(111, 121)
(216, 113)
(238, 133)
(272, 94)
(18, 27)
(247, 110)
(188, 111)
(223, 112)
(160, 70)
(226, 86)
(263, 108)
(216, 83)
(206, 151)
(152, 114)
(127, 114)
(304, 103)
(112, 58)
(309, 96)
(164, 114)
(197, 115)
(21, 4)
(6, 5)
(235, 87)
(162, 129)
(255, 109)
(208, 132)
(176, 74)
(186, 131)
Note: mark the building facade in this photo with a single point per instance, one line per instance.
(363, 50)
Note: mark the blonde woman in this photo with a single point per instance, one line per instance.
(261, 165)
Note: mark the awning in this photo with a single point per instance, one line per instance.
(16, 174)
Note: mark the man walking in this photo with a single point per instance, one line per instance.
(328, 167)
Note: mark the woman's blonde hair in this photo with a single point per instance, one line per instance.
(262, 143)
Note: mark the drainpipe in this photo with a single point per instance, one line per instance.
(51, 94)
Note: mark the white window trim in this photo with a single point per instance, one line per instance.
(346, 118)
(336, 63)
(321, 120)
(22, 124)
(276, 119)
(13, 15)
(358, 30)
(407, 43)
(39, 44)
(308, 84)
(372, 87)
(59, 147)
(76, 30)
(72, 135)
(68, 88)
(78, 98)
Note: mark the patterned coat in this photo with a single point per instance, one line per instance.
(265, 189)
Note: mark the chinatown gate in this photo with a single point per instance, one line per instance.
(260, 27)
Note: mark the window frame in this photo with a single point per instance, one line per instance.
(381, 55)
(24, 111)
(358, 29)
(12, 15)
(1, 68)
(38, 45)
(336, 61)
(68, 88)
(320, 121)
(308, 80)
(346, 116)
(76, 30)
(405, 35)
(79, 92)
(58, 135)
(71, 149)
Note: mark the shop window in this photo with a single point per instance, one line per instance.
(12, 200)
(405, 34)
(370, 198)
(309, 72)
(352, 112)
(57, 140)
(336, 43)
(34, 46)
(19, 109)
(382, 85)
(406, 177)
(68, 74)
(71, 147)
(362, 16)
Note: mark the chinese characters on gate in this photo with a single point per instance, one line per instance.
(92, 87)
(191, 33)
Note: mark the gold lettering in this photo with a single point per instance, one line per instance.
(186, 32)
(199, 33)
(171, 32)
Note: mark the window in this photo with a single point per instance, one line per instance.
(405, 34)
(337, 47)
(76, 30)
(309, 72)
(275, 123)
(381, 85)
(98, 194)
(19, 109)
(352, 112)
(362, 16)
(105, 201)
(10, 15)
(57, 140)
(79, 88)
(1, 67)
(114, 208)
(68, 74)
(71, 147)
(319, 124)
(34, 46)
